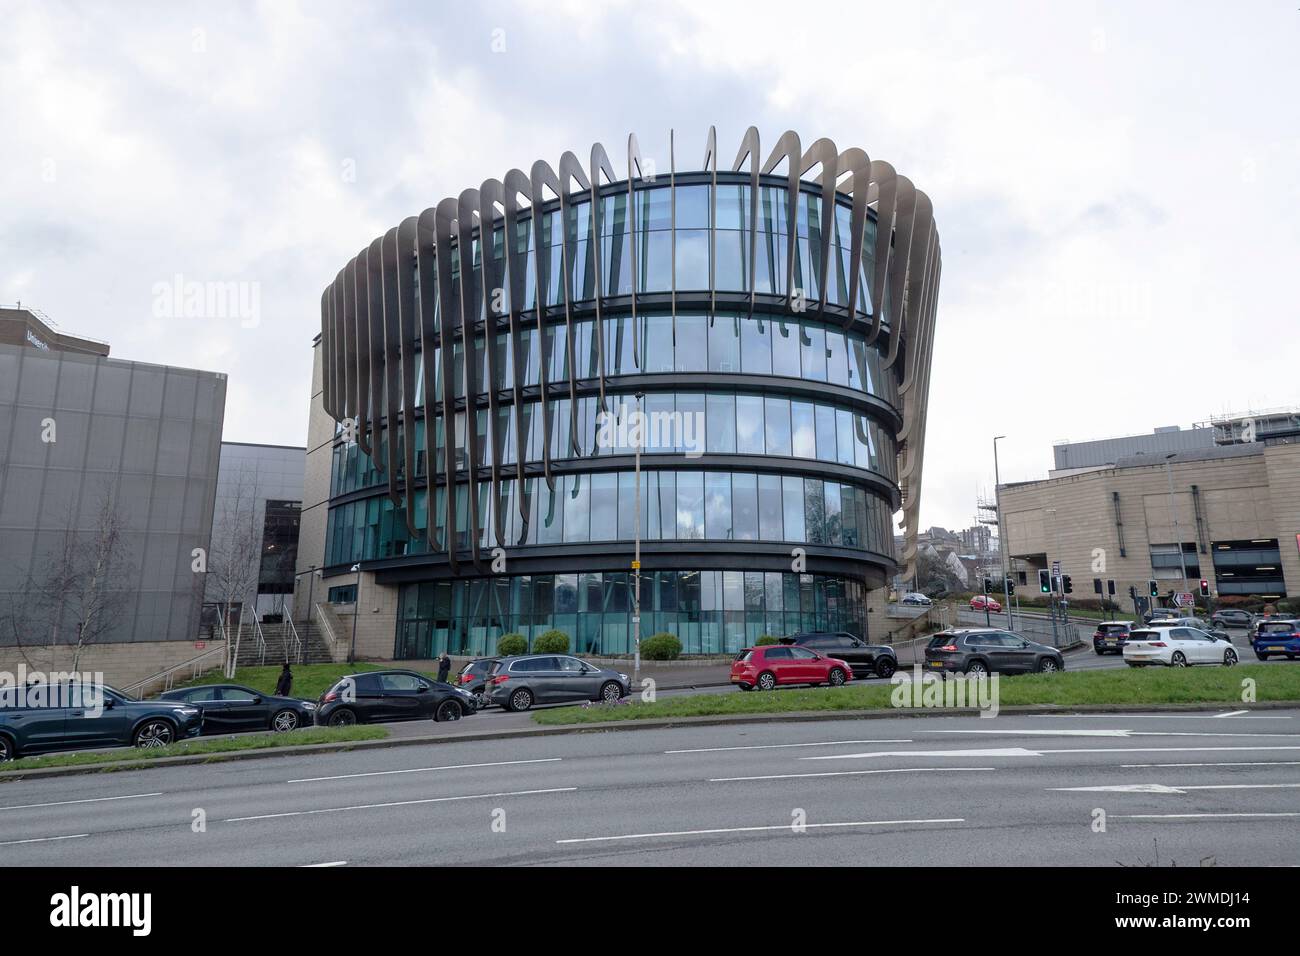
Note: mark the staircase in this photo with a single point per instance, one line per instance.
(277, 645)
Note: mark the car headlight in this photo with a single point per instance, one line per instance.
(189, 711)
(308, 706)
(624, 678)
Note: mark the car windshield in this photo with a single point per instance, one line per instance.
(744, 656)
(939, 640)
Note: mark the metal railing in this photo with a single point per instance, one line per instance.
(168, 676)
(290, 630)
(330, 637)
(261, 640)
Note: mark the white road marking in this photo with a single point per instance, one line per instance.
(822, 743)
(850, 773)
(73, 836)
(68, 803)
(1022, 752)
(1226, 763)
(1181, 788)
(397, 803)
(1109, 733)
(310, 866)
(1160, 716)
(457, 766)
(1198, 816)
(1234, 713)
(784, 826)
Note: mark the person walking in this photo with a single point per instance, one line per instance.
(444, 666)
(285, 683)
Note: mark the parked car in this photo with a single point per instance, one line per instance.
(980, 601)
(1177, 646)
(1277, 635)
(1189, 620)
(916, 599)
(867, 660)
(764, 668)
(473, 677)
(1110, 636)
(519, 682)
(1233, 617)
(987, 650)
(374, 696)
(31, 725)
(228, 708)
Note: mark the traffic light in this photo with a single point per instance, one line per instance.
(1153, 588)
(1011, 586)
(1045, 581)
(1133, 592)
(1096, 585)
(1205, 588)
(988, 585)
(1066, 586)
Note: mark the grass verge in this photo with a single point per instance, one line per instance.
(1124, 687)
(309, 680)
(201, 745)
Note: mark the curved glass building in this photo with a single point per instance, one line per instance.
(490, 366)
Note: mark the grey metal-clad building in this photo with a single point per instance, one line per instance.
(80, 433)
(1107, 451)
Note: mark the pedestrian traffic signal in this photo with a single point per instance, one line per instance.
(1045, 582)
(1066, 586)
(1205, 588)
(1153, 588)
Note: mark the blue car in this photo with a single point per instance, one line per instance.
(1277, 636)
(43, 718)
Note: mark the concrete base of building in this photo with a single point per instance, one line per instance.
(121, 664)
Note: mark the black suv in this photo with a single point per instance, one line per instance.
(86, 717)
(865, 659)
(987, 650)
(375, 696)
(1233, 617)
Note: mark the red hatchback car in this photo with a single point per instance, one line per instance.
(979, 602)
(766, 667)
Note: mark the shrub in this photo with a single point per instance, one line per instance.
(767, 639)
(661, 647)
(552, 642)
(511, 644)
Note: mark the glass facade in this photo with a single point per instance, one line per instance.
(711, 612)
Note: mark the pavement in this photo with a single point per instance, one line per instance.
(1218, 786)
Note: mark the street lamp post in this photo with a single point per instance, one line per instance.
(1173, 519)
(636, 556)
(356, 612)
(1002, 540)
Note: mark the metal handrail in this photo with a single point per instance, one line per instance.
(299, 649)
(326, 626)
(261, 640)
(168, 675)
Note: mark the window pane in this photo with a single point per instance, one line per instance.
(803, 430)
(717, 506)
(693, 207)
(690, 505)
(692, 258)
(720, 429)
(826, 448)
(749, 424)
(577, 507)
(776, 413)
(691, 344)
(814, 511)
(756, 346)
(604, 506)
(769, 508)
(793, 504)
(744, 507)
(812, 342)
(724, 344)
(785, 348)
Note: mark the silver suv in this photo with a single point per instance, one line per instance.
(519, 682)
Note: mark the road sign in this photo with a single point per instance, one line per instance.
(1184, 599)
(1056, 568)
(636, 565)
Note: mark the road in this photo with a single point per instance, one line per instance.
(1012, 790)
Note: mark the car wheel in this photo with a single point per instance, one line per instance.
(154, 733)
(343, 717)
(284, 721)
(611, 692)
(836, 677)
(521, 699)
(1229, 657)
(447, 710)
(7, 749)
(1100, 653)
(1133, 664)
(1048, 665)
(885, 667)
(766, 681)
(1178, 660)
(977, 669)
(1261, 657)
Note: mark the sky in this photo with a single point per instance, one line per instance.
(1116, 185)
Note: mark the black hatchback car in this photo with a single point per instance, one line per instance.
(867, 660)
(76, 717)
(375, 696)
(229, 708)
(990, 651)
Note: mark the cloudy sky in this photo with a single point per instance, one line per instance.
(1116, 185)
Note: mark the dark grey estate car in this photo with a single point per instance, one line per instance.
(519, 682)
(867, 660)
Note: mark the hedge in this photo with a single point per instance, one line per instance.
(511, 644)
(552, 642)
(661, 647)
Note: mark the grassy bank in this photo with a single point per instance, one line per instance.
(309, 680)
(202, 745)
(1125, 687)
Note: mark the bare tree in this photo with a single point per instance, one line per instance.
(234, 560)
(80, 587)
